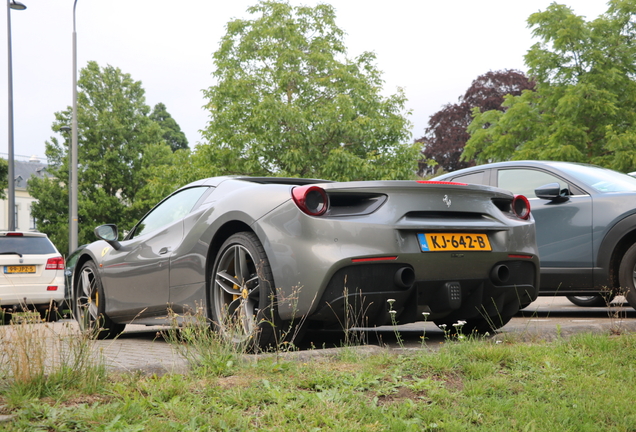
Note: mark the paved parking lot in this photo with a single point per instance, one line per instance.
(142, 348)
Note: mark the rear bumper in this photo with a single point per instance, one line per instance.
(361, 292)
(28, 295)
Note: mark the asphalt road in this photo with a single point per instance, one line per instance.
(142, 348)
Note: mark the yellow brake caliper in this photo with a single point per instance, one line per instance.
(244, 292)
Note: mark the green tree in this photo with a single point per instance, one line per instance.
(4, 177)
(116, 137)
(584, 105)
(172, 133)
(446, 133)
(288, 102)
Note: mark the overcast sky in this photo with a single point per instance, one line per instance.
(433, 49)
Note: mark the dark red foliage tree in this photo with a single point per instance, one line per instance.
(446, 136)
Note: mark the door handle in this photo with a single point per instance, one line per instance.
(164, 250)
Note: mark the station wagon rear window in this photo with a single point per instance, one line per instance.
(26, 245)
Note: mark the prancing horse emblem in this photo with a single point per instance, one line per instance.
(447, 200)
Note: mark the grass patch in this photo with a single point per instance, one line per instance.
(42, 360)
(584, 383)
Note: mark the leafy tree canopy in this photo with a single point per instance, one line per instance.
(4, 177)
(172, 133)
(446, 133)
(584, 105)
(288, 102)
(116, 142)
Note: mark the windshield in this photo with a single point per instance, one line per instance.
(601, 179)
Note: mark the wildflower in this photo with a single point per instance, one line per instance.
(442, 326)
(390, 301)
(392, 312)
(426, 314)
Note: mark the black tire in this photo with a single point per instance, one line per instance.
(49, 313)
(5, 317)
(241, 294)
(88, 304)
(627, 275)
(592, 300)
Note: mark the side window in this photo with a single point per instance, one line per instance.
(171, 210)
(525, 181)
(474, 178)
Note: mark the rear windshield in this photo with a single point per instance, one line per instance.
(26, 245)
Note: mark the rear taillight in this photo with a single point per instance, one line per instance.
(14, 234)
(521, 207)
(312, 200)
(56, 263)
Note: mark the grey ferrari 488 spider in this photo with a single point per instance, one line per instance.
(256, 254)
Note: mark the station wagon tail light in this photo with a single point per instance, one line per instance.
(56, 263)
(51, 288)
(312, 200)
(521, 207)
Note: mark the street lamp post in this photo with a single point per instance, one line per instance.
(11, 4)
(66, 130)
(73, 228)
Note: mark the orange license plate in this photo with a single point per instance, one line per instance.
(19, 269)
(441, 242)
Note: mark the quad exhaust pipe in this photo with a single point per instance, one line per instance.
(500, 274)
(404, 277)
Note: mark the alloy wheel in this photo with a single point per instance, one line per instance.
(87, 303)
(237, 293)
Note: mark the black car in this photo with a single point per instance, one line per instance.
(586, 224)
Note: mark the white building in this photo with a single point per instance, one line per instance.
(23, 171)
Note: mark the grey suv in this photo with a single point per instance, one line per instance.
(586, 224)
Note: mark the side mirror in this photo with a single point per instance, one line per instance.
(109, 234)
(552, 192)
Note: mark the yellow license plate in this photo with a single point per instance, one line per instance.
(435, 242)
(19, 269)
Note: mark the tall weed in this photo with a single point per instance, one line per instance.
(43, 359)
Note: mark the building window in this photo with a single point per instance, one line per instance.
(34, 222)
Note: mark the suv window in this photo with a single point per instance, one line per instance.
(474, 178)
(525, 181)
(27, 245)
